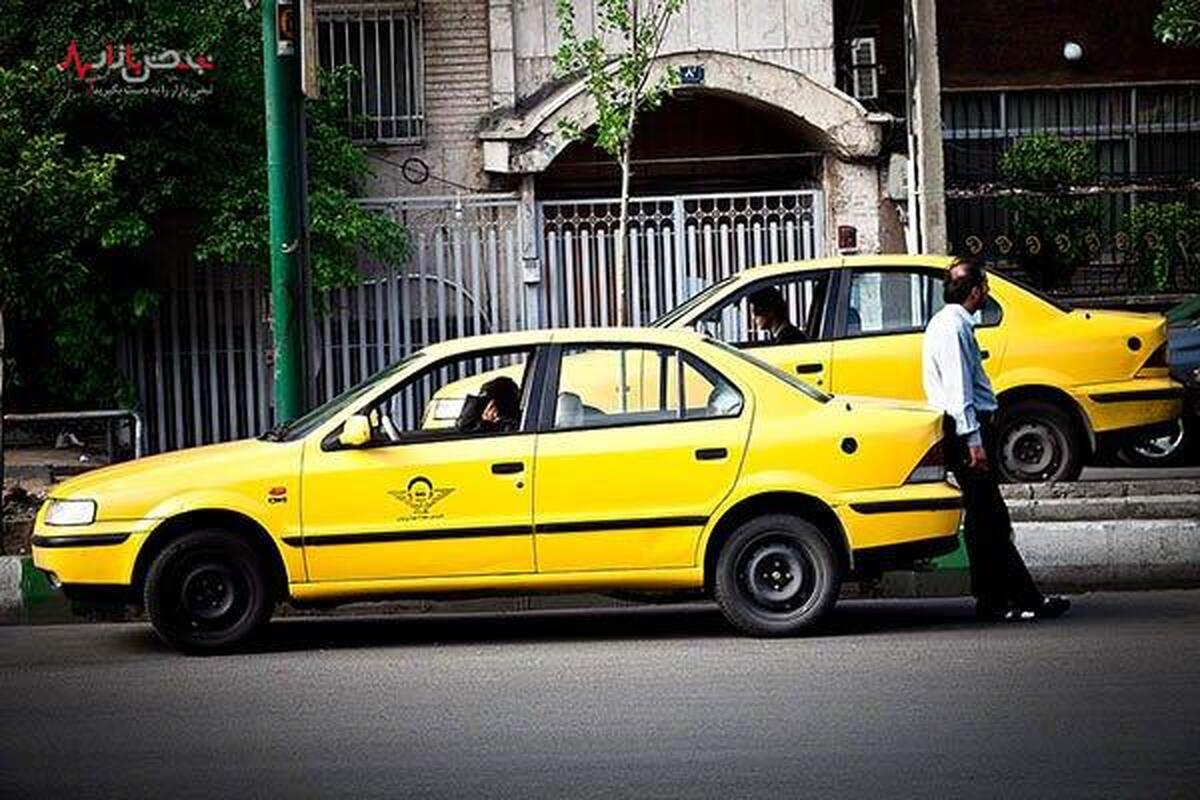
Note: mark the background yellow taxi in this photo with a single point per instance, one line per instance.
(638, 460)
(1071, 382)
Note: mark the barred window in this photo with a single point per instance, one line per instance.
(382, 41)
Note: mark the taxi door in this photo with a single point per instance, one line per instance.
(636, 449)
(422, 502)
(808, 299)
(879, 329)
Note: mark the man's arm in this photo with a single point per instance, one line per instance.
(950, 356)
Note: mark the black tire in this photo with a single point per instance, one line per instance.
(208, 592)
(776, 576)
(1037, 441)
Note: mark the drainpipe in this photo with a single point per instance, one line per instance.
(926, 185)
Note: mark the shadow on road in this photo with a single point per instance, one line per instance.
(692, 621)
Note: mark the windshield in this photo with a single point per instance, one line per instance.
(302, 426)
(790, 380)
(675, 314)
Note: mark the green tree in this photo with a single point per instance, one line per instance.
(1163, 237)
(615, 63)
(1179, 23)
(1051, 224)
(110, 180)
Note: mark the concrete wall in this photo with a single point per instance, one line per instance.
(853, 198)
(458, 95)
(796, 33)
(484, 56)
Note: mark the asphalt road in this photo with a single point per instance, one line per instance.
(894, 698)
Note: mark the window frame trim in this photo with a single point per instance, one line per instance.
(535, 370)
(825, 329)
(843, 303)
(545, 419)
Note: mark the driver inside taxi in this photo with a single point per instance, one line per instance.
(496, 409)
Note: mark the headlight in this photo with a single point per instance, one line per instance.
(71, 512)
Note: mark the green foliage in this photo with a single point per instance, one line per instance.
(616, 79)
(1163, 238)
(106, 185)
(615, 63)
(1051, 226)
(1179, 23)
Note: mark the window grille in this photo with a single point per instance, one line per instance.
(864, 68)
(383, 43)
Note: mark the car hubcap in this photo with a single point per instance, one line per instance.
(208, 591)
(1031, 451)
(1161, 446)
(776, 576)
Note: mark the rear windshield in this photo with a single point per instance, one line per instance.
(790, 380)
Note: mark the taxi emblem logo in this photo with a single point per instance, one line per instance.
(420, 495)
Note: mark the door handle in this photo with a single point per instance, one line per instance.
(711, 453)
(508, 467)
(808, 369)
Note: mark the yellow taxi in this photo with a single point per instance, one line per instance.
(1071, 382)
(634, 460)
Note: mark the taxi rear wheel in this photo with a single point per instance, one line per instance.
(207, 592)
(1037, 441)
(776, 576)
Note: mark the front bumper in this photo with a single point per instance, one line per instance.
(101, 554)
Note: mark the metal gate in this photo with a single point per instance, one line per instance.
(202, 367)
(677, 245)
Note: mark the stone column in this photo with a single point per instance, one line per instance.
(503, 58)
(852, 198)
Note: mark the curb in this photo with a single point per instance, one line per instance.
(1071, 556)
(27, 597)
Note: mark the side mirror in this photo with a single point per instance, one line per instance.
(356, 432)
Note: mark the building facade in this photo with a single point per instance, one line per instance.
(477, 101)
(1078, 71)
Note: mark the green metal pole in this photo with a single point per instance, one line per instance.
(281, 80)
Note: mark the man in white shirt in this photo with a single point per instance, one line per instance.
(956, 384)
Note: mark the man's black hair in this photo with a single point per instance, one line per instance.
(505, 393)
(957, 288)
(770, 301)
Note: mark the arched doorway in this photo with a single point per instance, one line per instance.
(734, 170)
(696, 142)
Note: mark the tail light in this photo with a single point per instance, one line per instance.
(932, 468)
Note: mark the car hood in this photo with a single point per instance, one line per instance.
(133, 489)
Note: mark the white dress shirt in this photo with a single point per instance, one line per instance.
(952, 371)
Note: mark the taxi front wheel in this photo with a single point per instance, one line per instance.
(206, 592)
(776, 576)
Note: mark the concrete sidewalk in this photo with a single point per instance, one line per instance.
(1075, 537)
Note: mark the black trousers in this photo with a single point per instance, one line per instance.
(999, 577)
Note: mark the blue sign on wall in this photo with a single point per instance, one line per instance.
(692, 75)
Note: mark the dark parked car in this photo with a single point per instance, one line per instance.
(1182, 445)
